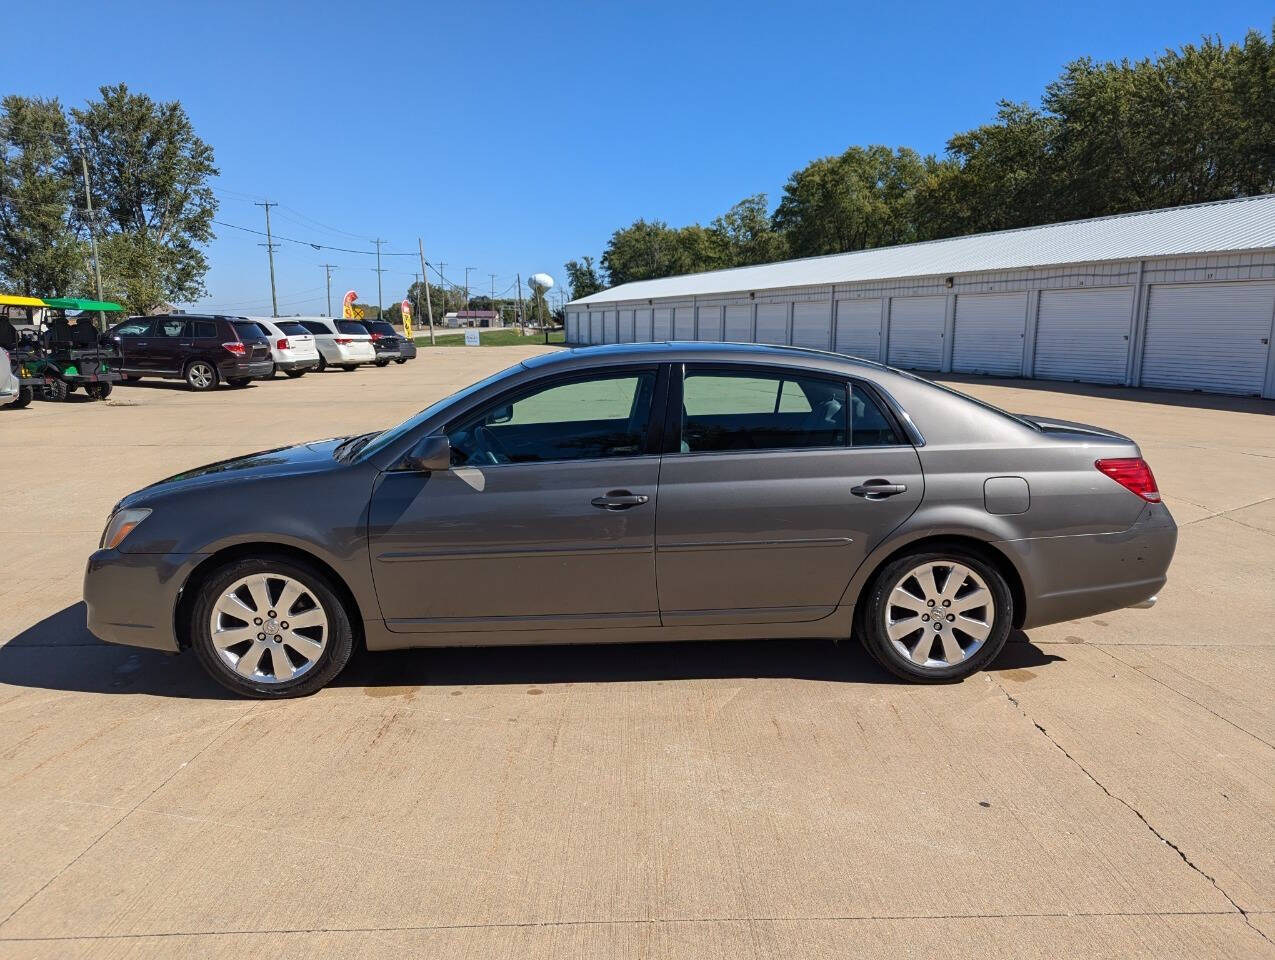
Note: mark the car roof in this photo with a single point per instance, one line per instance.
(701, 351)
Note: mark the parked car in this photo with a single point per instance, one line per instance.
(642, 492)
(383, 332)
(10, 385)
(341, 343)
(292, 346)
(203, 350)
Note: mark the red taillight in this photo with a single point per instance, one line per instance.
(235, 347)
(1133, 474)
(282, 344)
(377, 336)
(342, 339)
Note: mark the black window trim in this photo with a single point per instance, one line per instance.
(889, 409)
(655, 419)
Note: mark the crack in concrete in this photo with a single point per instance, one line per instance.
(1136, 812)
(1225, 513)
(547, 924)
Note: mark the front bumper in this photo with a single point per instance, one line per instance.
(307, 364)
(131, 598)
(1067, 578)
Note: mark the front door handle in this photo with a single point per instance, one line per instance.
(619, 500)
(878, 489)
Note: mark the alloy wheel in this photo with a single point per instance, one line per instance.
(939, 614)
(268, 628)
(201, 376)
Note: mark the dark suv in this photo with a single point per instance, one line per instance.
(202, 350)
(387, 339)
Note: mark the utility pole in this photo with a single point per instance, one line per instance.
(380, 311)
(270, 245)
(88, 206)
(493, 297)
(328, 268)
(467, 269)
(429, 311)
(522, 319)
(442, 284)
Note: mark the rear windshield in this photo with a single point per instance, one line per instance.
(349, 326)
(381, 327)
(292, 328)
(249, 330)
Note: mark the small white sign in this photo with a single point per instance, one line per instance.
(471, 338)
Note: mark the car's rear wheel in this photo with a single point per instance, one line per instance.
(295, 373)
(323, 364)
(25, 395)
(401, 360)
(270, 628)
(200, 375)
(239, 381)
(382, 363)
(348, 367)
(935, 616)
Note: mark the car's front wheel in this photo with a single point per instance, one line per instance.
(270, 628)
(934, 616)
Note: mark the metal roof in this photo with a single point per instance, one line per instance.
(1206, 228)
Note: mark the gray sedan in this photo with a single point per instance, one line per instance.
(642, 492)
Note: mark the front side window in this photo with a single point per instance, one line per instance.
(134, 328)
(726, 410)
(592, 418)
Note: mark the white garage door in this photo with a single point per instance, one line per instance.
(989, 333)
(1209, 336)
(642, 325)
(812, 325)
(1083, 335)
(626, 326)
(739, 324)
(595, 327)
(710, 324)
(684, 323)
(859, 328)
(573, 327)
(916, 332)
(610, 327)
(663, 325)
(772, 323)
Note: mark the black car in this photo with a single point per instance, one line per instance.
(202, 350)
(388, 344)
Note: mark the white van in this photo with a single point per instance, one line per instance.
(292, 346)
(342, 343)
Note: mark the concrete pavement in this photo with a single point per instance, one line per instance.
(1107, 790)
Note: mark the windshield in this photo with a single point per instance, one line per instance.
(349, 326)
(386, 437)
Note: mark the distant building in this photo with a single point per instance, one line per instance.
(472, 318)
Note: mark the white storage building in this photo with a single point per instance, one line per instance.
(1180, 299)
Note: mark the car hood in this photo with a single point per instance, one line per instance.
(279, 462)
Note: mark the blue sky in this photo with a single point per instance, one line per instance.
(529, 132)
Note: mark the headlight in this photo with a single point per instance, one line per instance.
(121, 524)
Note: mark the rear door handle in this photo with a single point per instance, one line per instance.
(619, 500)
(878, 489)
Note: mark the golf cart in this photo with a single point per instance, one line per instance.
(19, 339)
(72, 355)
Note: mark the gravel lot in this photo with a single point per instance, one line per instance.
(1108, 790)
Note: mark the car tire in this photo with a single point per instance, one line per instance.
(401, 360)
(239, 381)
(200, 375)
(98, 391)
(273, 371)
(250, 667)
(55, 391)
(349, 367)
(957, 631)
(25, 395)
(294, 374)
(382, 363)
(323, 364)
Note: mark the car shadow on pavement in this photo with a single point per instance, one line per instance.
(59, 653)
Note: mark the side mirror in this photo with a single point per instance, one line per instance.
(432, 453)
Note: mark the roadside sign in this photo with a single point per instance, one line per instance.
(471, 338)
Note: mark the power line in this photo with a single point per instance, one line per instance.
(307, 243)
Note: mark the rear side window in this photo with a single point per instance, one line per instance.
(724, 410)
(349, 326)
(204, 329)
(293, 329)
(315, 327)
(170, 327)
(869, 426)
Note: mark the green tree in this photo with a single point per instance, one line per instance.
(748, 234)
(583, 277)
(151, 188)
(40, 252)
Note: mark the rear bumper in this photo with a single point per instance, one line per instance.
(407, 351)
(347, 356)
(307, 364)
(131, 597)
(1066, 578)
(253, 369)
